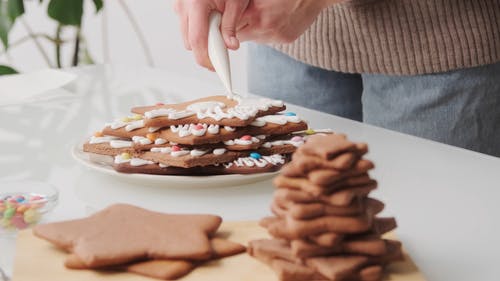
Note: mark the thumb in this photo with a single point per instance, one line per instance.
(232, 13)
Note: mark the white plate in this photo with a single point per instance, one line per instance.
(102, 165)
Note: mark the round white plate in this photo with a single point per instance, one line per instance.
(101, 163)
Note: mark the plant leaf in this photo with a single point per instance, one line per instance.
(66, 12)
(15, 8)
(10, 10)
(98, 5)
(5, 70)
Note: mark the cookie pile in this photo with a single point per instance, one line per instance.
(325, 225)
(212, 135)
(128, 238)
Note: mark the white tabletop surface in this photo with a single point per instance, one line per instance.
(444, 197)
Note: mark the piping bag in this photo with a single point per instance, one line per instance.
(217, 52)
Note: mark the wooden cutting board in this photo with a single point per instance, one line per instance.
(37, 259)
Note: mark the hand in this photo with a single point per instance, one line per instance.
(279, 21)
(193, 16)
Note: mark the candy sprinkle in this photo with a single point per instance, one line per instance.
(126, 155)
(176, 148)
(246, 137)
(136, 117)
(290, 114)
(310, 132)
(255, 155)
(199, 127)
(152, 137)
(98, 134)
(297, 138)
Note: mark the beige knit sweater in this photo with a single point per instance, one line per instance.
(405, 37)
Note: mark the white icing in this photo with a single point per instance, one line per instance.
(134, 125)
(94, 140)
(153, 129)
(242, 142)
(213, 129)
(161, 149)
(139, 162)
(229, 129)
(219, 151)
(119, 159)
(160, 141)
(141, 140)
(198, 153)
(179, 153)
(275, 159)
(116, 124)
(120, 143)
(295, 143)
(204, 106)
(162, 165)
(275, 119)
(245, 109)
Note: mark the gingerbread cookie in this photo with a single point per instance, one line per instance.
(221, 110)
(108, 145)
(155, 235)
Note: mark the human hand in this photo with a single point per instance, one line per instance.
(193, 16)
(279, 21)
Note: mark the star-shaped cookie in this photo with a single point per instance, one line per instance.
(122, 233)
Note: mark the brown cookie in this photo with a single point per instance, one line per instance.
(330, 176)
(371, 247)
(141, 166)
(221, 110)
(303, 164)
(275, 125)
(103, 239)
(297, 229)
(108, 145)
(174, 269)
(283, 208)
(305, 185)
(188, 158)
(196, 134)
(341, 198)
(328, 147)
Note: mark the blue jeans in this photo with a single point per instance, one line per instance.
(460, 107)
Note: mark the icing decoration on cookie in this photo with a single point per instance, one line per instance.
(136, 117)
(94, 139)
(229, 129)
(219, 151)
(245, 109)
(262, 162)
(245, 140)
(125, 158)
(141, 140)
(153, 129)
(198, 153)
(120, 143)
(295, 141)
(194, 129)
(134, 125)
(174, 151)
(160, 141)
(130, 123)
(275, 119)
(162, 165)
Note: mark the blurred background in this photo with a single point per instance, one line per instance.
(37, 34)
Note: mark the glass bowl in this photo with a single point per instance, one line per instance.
(23, 204)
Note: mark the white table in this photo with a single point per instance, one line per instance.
(443, 197)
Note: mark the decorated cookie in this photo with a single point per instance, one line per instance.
(108, 145)
(219, 110)
(187, 158)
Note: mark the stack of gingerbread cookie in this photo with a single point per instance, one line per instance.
(212, 135)
(325, 225)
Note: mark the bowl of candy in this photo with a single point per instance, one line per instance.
(23, 204)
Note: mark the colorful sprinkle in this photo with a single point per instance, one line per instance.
(176, 148)
(126, 155)
(98, 134)
(31, 216)
(246, 137)
(290, 114)
(152, 137)
(255, 155)
(199, 127)
(125, 119)
(9, 213)
(137, 117)
(310, 132)
(297, 139)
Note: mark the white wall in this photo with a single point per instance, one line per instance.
(157, 21)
